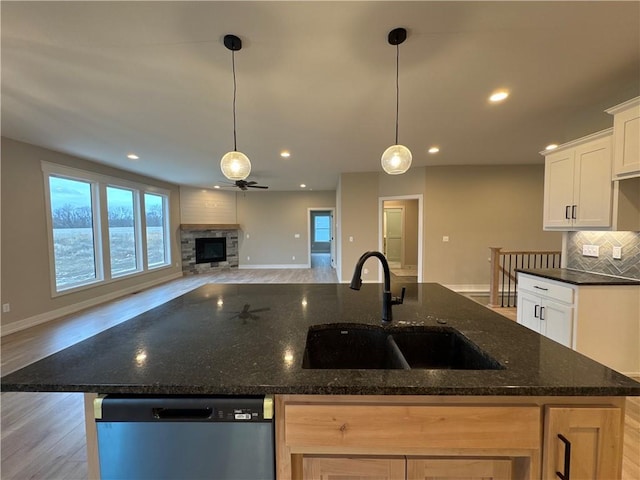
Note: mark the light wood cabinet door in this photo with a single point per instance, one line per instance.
(586, 441)
(459, 469)
(353, 468)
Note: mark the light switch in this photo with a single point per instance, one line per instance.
(247, 235)
(445, 238)
(617, 253)
(351, 239)
(297, 235)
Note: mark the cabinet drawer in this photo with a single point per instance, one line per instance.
(552, 290)
(367, 428)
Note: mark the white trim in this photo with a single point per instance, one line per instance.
(332, 242)
(574, 143)
(280, 265)
(25, 323)
(623, 106)
(419, 197)
(469, 288)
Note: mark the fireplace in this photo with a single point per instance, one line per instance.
(211, 250)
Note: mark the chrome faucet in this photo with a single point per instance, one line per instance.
(387, 299)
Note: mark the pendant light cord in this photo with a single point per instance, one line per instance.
(397, 89)
(233, 67)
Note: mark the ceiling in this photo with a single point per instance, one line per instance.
(103, 79)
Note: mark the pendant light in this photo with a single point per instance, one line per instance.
(397, 158)
(235, 165)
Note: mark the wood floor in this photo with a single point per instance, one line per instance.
(42, 434)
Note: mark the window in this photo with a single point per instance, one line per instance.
(136, 227)
(154, 209)
(122, 231)
(73, 235)
(322, 228)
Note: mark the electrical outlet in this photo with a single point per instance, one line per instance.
(297, 235)
(590, 251)
(6, 307)
(248, 257)
(366, 270)
(617, 253)
(445, 238)
(293, 258)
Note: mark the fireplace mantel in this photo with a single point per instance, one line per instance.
(209, 226)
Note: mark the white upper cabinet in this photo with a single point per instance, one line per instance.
(577, 184)
(626, 138)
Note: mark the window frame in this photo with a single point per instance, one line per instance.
(166, 231)
(101, 239)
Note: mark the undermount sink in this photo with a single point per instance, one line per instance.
(356, 346)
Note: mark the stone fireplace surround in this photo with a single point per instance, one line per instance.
(188, 235)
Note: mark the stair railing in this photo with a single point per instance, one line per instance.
(503, 284)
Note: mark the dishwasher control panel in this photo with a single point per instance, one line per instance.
(115, 408)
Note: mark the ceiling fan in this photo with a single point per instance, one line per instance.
(244, 185)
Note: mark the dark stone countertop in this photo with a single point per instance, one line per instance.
(250, 338)
(577, 277)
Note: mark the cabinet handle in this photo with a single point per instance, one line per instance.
(574, 208)
(540, 288)
(566, 212)
(541, 313)
(535, 311)
(567, 458)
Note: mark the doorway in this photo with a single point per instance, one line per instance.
(321, 238)
(400, 237)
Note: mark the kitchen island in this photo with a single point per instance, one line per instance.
(249, 339)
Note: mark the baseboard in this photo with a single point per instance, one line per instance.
(25, 323)
(275, 266)
(479, 289)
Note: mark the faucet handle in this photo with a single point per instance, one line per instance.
(398, 300)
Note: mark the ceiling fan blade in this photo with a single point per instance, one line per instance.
(257, 186)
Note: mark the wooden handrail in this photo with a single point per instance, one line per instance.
(499, 271)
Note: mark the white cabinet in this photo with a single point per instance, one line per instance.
(599, 321)
(626, 138)
(546, 308)
(577, 184)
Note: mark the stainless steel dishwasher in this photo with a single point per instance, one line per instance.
(226, 438)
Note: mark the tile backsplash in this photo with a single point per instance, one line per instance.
(628, 266)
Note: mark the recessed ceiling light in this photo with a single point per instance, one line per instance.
(552, 146)
(498, 96)
(434, 150)
(216, 186)
(133, 156)
(285, 154)
(302, 185)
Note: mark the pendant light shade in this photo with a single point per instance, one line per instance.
(397, 158)
(234, 165)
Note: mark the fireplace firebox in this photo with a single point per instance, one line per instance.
(211, 250)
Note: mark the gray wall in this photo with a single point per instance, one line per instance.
(476, 207)
(25, 262)
(272, 220)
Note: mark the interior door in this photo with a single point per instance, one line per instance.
(393, 228)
